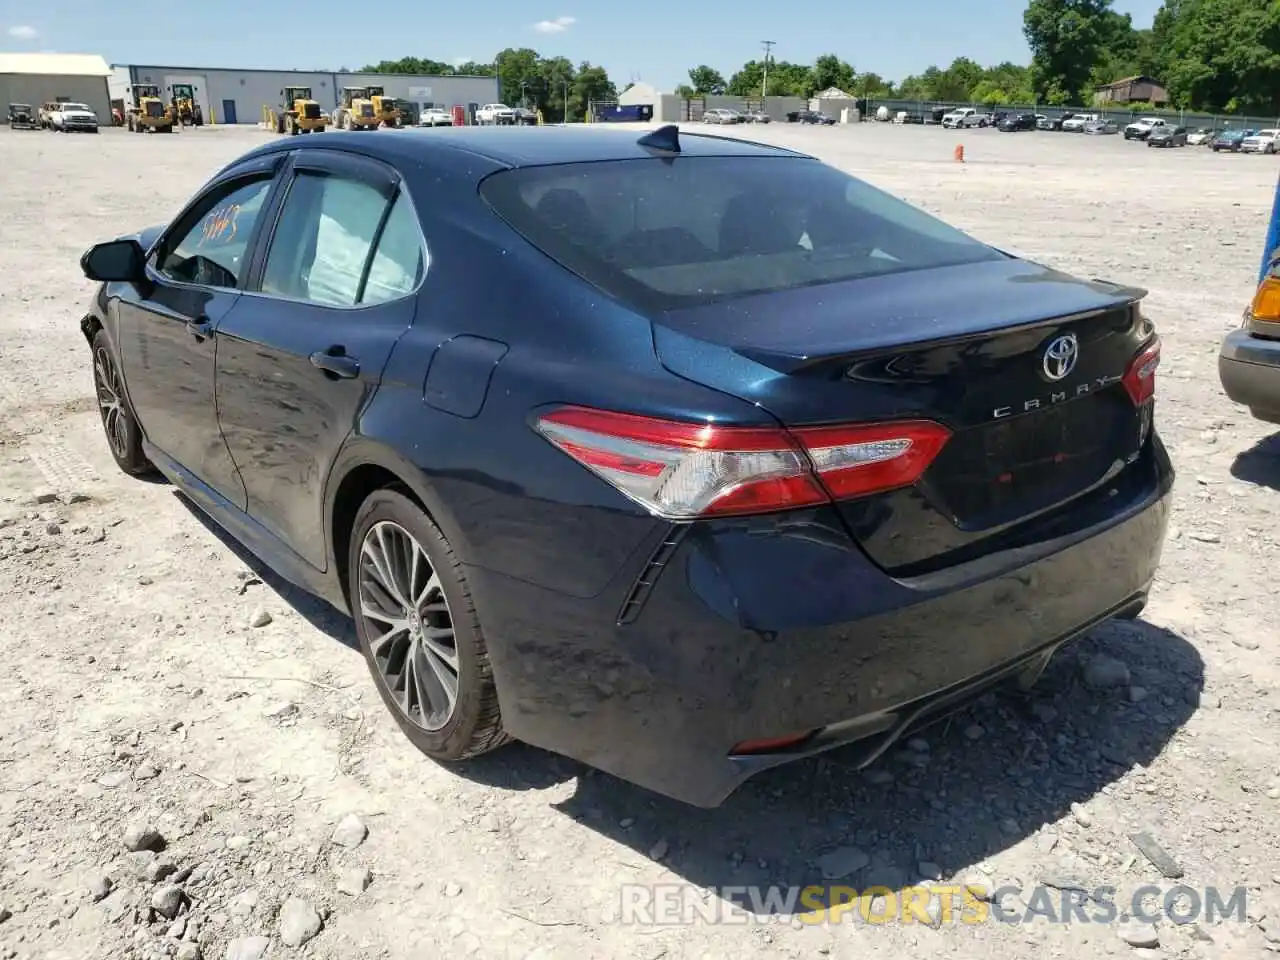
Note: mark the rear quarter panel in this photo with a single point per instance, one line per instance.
(507, 499)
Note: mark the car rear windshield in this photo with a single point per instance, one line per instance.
(662, 234)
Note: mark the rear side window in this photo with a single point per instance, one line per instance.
(323, 248)
(323, 240)
(663, 234)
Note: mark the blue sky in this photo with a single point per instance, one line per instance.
(893, 39)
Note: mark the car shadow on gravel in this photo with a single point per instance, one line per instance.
(990, 777)
(1260, 464)
(317, 612)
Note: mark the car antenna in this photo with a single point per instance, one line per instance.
(665, 138)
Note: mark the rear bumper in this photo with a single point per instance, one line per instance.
(761, 628)
(1249, 368)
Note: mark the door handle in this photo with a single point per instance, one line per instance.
(200, 328)
(336, 363)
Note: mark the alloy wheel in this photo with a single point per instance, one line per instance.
(408, 624)
(111, 402)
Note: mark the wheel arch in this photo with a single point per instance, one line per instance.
(363, 467)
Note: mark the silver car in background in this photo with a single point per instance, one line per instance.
(722, 115)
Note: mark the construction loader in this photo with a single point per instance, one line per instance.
(357, 111)
(385, 107)
(148, 111)
(183, 105)
(299, 113)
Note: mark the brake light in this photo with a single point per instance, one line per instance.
(1140, 377)
(682, 471)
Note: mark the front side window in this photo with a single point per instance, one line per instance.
(323, 243)
(664, 234)
(212, 250)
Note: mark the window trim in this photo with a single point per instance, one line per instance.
(267, 168)
(349, 166)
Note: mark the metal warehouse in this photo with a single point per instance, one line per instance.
(239, 96)
(37, 78)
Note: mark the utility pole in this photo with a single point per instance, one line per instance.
(764, 87)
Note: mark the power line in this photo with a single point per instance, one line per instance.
(768, 47)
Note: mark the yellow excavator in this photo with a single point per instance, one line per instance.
(357, 111)
(184, 107)
(148, 111)
(299, 113)
(385, 107)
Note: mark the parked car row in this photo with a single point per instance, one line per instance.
(728, 115)
(1154, 131)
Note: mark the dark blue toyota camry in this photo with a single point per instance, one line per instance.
(680, 455)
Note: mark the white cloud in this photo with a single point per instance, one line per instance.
(23, 32)
(459, 61)
(558, 25)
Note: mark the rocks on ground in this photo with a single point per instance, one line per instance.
(299, 922)
(355, 881)
(350, 832)
(247, 948)
(143, 836)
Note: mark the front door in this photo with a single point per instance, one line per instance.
(303, 352)
(167, 329)
(228, 112)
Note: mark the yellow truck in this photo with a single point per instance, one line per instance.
(299, 113)
(357, 111)
(149, 111)
(184, 107)
(385, 107)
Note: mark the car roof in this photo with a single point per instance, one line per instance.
(524, 146)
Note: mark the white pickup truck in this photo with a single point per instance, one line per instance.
(964, 117)
(73, 116)
(495, 113)
(1078, 121)
(1140, 129)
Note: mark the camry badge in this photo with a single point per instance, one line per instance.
(1060, 357)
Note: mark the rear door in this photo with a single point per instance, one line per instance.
(304, 352)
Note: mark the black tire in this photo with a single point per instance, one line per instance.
(474, 726)
(124, 436)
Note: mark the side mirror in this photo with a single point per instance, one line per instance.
(121, 261)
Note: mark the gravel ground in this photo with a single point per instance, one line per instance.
(175, 781)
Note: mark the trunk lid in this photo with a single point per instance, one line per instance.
(966, 346)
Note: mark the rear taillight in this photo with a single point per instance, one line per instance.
(1140, 377)
(682, 471)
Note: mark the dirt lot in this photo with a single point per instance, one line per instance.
(136, 694)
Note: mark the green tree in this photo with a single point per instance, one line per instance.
(558, 76)
(1223, 54)
(520, 74)
(746, 82)
(705, 80)
(1066, 39)
(591, 83)
(872, 85)
(412, 65)
(830, 71)
(473, 69)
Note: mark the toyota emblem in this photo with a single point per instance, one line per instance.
(1060, 356)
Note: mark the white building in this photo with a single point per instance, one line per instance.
(673, 108)
(239, 96)
(36, 78)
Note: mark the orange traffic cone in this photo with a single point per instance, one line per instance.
(959, 154)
